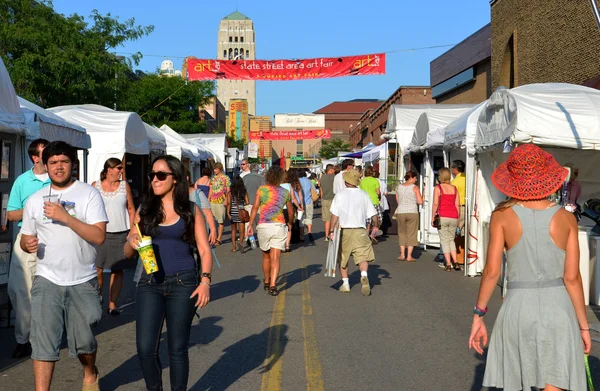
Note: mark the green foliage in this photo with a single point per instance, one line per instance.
(168, 100)
(57, 60)
(330, 148)
(239, 144)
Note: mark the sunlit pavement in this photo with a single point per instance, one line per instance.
(410, 334)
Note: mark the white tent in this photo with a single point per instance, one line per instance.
(45, 124)
(426, 129)
(559, 117)
(213, 144)
(460, 133)
(11, 118)
(156, 141)
(178, 146)
(113, 133)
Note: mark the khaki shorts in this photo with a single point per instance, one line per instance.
(326, 210)
(355, 242)
(218, 211)
(271, 235)
(308, 214)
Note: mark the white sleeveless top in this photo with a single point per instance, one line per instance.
(407, 199)
(115, 204)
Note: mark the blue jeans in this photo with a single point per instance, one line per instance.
(168, 298)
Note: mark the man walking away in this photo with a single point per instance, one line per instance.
(327, 196)
(307, 188)
(22, 264)
(63, 223)
(460, 182)
(252, 181)
(338, 182)
(352, 208)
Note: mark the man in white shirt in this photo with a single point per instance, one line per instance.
(22, 265)
(352, 208)
(64, 294)
(338, 181)
(245, 168)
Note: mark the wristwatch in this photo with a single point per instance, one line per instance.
(480, 311)
(207, 275)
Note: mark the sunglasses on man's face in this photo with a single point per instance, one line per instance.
(160, 175)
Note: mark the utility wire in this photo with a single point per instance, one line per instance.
(166, 99)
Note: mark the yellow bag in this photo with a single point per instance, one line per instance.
(314, 194)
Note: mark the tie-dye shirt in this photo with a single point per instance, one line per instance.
(218, 186)
(272, 200)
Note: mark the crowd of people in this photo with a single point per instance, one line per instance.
(71, 232)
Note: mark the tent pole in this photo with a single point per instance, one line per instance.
(596, 12)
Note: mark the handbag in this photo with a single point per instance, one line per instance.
(436, 219)
(244, 215)
(314, 194)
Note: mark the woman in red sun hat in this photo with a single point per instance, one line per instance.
(542, 331)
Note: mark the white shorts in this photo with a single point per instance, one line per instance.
(271, 235)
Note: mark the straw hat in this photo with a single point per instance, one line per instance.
(352, 177)
(530, 173)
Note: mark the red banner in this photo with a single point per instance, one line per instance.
(291, 135)
(278, 70)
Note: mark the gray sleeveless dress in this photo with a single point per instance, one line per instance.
(536, 338)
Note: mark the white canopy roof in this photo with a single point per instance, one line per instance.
(45, 124)
(113, 133)
(374, 153)
(213, 144)
(156, 140)
(11, 118)
(178, 146)
(549, 114)
(460, 133)
(429, 122)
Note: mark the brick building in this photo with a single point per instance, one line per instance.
(341, 116)
(262, 124)
(539, 41)
(369, 126)
(463, 73)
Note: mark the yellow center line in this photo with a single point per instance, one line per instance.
(312, 363)
(273, 364)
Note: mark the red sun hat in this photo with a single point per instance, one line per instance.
(530, 173)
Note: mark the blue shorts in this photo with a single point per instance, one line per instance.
(55, 308)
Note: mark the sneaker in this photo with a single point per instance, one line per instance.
(345, 288)
(441, 265)
(365, 288)
(24, 349)
(326, 239)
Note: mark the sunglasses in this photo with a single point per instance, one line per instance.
(119, 168)
(160, 175)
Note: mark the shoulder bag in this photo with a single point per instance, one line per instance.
(436, 219)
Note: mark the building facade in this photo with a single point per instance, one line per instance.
(167, 69)
(236, 41)
(214, 115)
(262, 124)
(369, 127)
(463, 74)
(237, 123)
(540, 41)
(340, 117)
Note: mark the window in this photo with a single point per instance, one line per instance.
(230, 39)
(236, 39)
(299, 148)
(235, 54)
(230, 54)
(225, 54)
(241, 39)
(235, 92)
(247, 54)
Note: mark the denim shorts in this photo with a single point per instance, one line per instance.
(54, 308)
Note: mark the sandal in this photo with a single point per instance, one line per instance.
(287, 249)
(217, 243)
(273, 291)
(411, 260)
(266, 284)
(457, 267)
(448, 268)
(401, 259)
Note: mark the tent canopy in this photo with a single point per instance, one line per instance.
(45, 124)
(460, 133)
(359, 154)
(156, 140)
(549, 114)
(429, 122)
(11, 118)
(374, 153)
(178, 146)
(215, 145)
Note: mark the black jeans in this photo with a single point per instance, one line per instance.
(155, 302)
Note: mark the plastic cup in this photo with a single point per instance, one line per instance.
(53, 198)
(146, 252)
(300, 214)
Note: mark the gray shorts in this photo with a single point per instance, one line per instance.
(54, 308)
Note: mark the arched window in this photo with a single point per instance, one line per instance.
(242, 54)
(230, 54)
(247, 54)
(235, 53)
(225, 54)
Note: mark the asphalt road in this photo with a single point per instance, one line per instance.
(410, 334)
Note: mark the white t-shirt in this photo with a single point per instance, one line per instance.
(244, 173)
(353, 206)
(42, 177)
(338, 183)
(63, 256)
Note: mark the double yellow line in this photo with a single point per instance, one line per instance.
(271, 380)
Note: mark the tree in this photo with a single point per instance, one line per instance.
(168, 100)
(239, 144)
(330, 148)
(56, 60)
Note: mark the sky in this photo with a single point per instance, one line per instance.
(307, 29)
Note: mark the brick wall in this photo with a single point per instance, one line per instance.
(474, 92)
(553, 41)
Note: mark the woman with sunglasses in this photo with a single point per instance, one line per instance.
(173, 292)
(118, 202)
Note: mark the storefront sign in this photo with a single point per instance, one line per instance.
(291, 135)
(252, 150)
(300, 120)
(281, 70)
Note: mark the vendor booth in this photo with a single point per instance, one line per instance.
(561, 118)
(156, 141)
(118, 134)
(215, 145)
(180, 148)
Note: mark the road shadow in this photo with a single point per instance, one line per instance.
(297, 276)
(244, 285)
(202, 333)
(479, 372)
(243, 357)
(375, 272)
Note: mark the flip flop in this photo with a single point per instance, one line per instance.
(401, 259)
(411, 260)
(217, 243)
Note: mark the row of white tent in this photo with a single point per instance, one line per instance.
(103, 132)
(563, 119)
